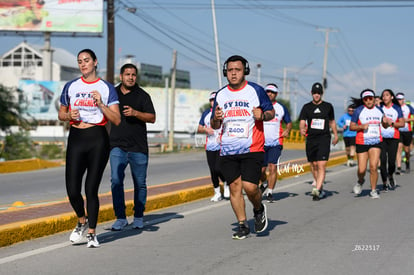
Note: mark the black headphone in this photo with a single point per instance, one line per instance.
(236, 58)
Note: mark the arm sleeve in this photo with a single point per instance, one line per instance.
(286, 117)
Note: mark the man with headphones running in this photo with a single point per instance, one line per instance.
(240, 108)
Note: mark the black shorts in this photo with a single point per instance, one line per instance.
(406, 138)
(248, 166)
(318, 148)
(349, 141)
(360, 148)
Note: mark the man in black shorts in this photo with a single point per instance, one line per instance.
(315, 119)
(240, 108)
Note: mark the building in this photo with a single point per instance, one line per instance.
(150, 75)
(25, 62)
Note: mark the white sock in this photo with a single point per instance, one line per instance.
(217, 190)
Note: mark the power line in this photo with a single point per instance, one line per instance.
(162, 43)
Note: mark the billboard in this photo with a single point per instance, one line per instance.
(40, 99)
(52, 15)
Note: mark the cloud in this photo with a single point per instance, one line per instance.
(386, 69)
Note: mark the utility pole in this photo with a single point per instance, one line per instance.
(166, 107)
(259, 74)
(47, 58)
(284, 83)
(213, 11)
(172, 103)
(111, 42)
(325, 55)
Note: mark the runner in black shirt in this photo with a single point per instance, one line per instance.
(316, 117)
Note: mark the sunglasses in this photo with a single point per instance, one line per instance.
(368, 98)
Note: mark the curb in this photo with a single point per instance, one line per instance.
(35, 228)
(12, 166)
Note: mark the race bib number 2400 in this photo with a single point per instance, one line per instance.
(240, 130)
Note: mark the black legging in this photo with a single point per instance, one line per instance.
(213, 165)
(87, 150)
(388, 156)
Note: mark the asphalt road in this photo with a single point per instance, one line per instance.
(49, 184)
(341, 234)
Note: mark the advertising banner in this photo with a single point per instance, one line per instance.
(52, 16)
(40, 99)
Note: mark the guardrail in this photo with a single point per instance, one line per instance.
(295, 137)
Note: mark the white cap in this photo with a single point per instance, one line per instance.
(212, 96)
(400, 96)
(368, 93)
(272, 88)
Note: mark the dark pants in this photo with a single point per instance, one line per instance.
(388, 157)
(87, 151)
(213, 160)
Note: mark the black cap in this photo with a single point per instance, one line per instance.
(317, 88)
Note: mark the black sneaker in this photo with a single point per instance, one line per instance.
(269, 197)
(398, 172)
(263, 186)
(260, 219)
(392, 182)
(384, 187)
(242, 233)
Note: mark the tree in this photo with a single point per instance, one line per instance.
(10, 111)
(17, 145)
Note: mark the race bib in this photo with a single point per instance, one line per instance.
(348, 122)
(237, 129)
(373, 130)
(318, 124)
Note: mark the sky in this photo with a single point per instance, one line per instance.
(370, 43)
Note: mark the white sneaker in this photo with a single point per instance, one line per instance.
(119, 224)
(226, 191)
(315, 194)
(357, 189)
(79, 232)
(216, 197)
(374, 194)
(138, 223)
(92, 240)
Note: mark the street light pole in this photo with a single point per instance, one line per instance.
(216, 43)
(111, 42)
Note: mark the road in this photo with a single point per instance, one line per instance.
(49, 185)
(341, 234)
